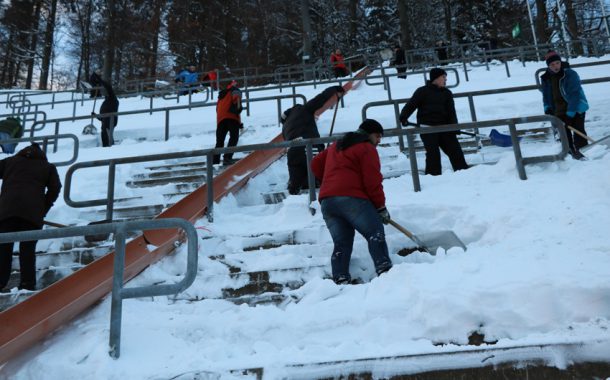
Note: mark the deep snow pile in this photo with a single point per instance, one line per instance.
(536, 269)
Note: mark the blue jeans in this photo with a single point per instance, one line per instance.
(345, 215)
(7, 147)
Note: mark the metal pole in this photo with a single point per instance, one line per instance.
(529, 12)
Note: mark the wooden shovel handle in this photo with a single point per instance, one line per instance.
(401, 229)
(581, 134)
(53, 224)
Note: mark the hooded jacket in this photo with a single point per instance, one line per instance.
(350, 167)
(30, 185)
(569, 87)
(229, 104)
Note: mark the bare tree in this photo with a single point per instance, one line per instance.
(48, 43)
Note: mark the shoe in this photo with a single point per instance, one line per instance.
(342, 280)
(227, 162)
(577, 155)
(383, 270)
(27, 286)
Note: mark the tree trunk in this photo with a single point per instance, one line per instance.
(48, 46)
(573, 26)
(33, 45)
(109, 53)
(353, 20)
(405, 32)
(152, 61)
(447, 16)
(542, 29)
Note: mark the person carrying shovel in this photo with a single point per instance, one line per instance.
(109, 105)
(352, 197)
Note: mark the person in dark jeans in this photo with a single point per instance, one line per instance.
(109, 105)
(563, 96)
(300, 122)
(399, 60)
(352, 197)
(30, 186)
(434, 105)
(228, 110)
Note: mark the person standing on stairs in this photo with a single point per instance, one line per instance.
(435, 106)
(109, 105)
(300, 122)
(228, 110)
(30, 186)
(563, 96)
(352, 197)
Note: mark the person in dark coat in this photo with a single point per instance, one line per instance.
(228, 110)
(30, 186)
(352, 197)
(109, 105)
(563, 96)
(434, 105)
(399, 60)
(300, 122)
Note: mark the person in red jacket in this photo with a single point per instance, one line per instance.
(338, 63)
(228, 120)
(352, 197)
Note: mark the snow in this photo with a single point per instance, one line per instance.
(536, 269)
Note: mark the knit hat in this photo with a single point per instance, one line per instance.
(551, 57)
(436, 72)
(371, 126)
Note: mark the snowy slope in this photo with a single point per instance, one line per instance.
(536, 270)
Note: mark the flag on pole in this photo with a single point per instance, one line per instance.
(516, 30)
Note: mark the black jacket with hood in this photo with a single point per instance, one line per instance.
(30, 185)
(434, 106)
(300, 120)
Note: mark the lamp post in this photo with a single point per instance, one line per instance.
(529, 12)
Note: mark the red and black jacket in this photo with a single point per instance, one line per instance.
(229, 105)
(353, 172)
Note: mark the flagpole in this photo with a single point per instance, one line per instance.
(529, 12)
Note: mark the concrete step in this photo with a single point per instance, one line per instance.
(197, 179)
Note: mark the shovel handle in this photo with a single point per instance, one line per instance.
(581, 134)
(53, 224)
(401, 229)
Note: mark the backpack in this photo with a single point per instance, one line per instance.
(12, 126)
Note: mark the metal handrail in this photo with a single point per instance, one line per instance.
(119, 292)
(572, 66)
(108, 201)
(45, 142)
(167, 111)
(120, 231)
(470, 95)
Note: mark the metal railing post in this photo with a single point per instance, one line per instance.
(110, 190)
(209, 159)
(166, 125)
(116, 308)
(311, 180)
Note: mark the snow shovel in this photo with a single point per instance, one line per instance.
(430, 242)
(581, 134)
(496, 138)
(89, 238)
(90, 129)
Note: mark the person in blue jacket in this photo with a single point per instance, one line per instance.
(563, 96)
(189, 77)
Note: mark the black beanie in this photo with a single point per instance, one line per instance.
(551, 57)
(436, 72)
(371, 126)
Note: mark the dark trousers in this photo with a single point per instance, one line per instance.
(297, 168)
(107, 132)
(27, 254)
(401, 72)
(575, 141)
(340, 72)
(448, 143)
(227, 126)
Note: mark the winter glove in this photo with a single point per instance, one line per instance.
(340, 90)
(548, 111)
(241, 126)
(570, 114)
(384, 214)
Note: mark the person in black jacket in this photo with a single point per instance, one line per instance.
(300, 122)
(109, 105)
(399, 60)
(30, 186)
(434, 104)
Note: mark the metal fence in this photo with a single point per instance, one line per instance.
(45, 144)
(38, 126)
(120, 231)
